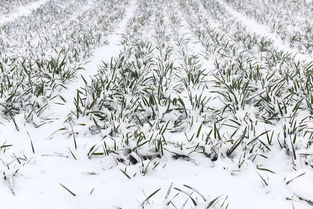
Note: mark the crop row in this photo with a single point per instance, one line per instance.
(266, 92)
(292, 20)
(40, 53)
(7, 7)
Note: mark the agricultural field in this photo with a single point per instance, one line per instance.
(156, 104)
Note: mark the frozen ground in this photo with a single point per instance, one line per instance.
(156, 104)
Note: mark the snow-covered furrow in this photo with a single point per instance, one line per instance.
(11, 167)
(50, 45)
(47, 28)
(21, 11)
(263, 30)
(292, 20)
(99, 55)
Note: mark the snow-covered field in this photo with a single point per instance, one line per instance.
(156, 104)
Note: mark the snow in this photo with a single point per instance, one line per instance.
(21, 11)
(263, 30)
(100, 182)
(100, 55)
